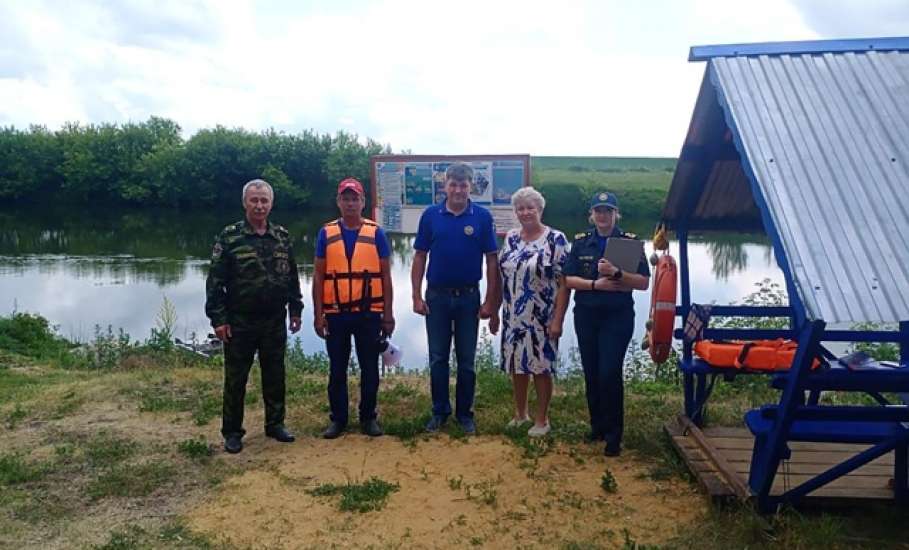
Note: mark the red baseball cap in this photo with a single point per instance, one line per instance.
(350, 184)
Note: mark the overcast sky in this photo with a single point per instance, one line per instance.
(547, 78)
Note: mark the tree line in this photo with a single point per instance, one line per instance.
(150, 164)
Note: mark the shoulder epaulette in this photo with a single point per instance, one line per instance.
(281, 229)
(581, 235)
(627, 235)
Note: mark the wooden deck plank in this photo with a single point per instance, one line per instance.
(734, 446)
(807, 457)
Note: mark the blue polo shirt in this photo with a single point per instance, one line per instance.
(456, 244)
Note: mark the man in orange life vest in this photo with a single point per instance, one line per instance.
(352, 297)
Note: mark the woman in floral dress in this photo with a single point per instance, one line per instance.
(534, 302)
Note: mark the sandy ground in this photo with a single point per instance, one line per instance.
(478, 491)
(550, 504)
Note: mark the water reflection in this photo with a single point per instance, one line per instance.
(81, 269)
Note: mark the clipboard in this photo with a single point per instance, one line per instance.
(625, 254)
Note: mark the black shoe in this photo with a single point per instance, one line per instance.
(613, 449)
(281, 434)
(334, 430)
(233, 444)
(371, 428)
(435, 423)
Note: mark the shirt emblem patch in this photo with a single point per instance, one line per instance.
(282, 267)
(468, 230)
(216, 251)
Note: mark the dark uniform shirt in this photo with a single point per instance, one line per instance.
(586, 251)
(252, 275)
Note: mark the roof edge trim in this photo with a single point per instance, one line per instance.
(705, 53)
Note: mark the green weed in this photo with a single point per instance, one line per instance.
(15, 416)
(131, 480)
(196, 449)
(368, 496)
(105, 450)
(608, 482)
(126, 539)
(14, 469)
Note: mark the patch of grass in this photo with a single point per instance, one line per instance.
(200, 399)
(106, 449)
(131, 480)
(15, 416)
(178, 535)
(454, 483)
(368, 496)
(20, 385)
(195, 449)
(68, 404)
(532, 447)
(608, 482)
(14, 469)
(126, 539)
(484, 492)
(581, 545)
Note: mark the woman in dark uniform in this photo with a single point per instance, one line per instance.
(603, 318)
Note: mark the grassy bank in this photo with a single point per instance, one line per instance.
(641, 184)
(114, 445)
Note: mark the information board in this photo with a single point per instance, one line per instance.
(405, 185)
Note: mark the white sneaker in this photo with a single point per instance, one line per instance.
(538, 431)
(515, 422)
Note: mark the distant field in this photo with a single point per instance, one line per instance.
(640, 183)
(604, 164)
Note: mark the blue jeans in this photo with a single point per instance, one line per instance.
(452, 312)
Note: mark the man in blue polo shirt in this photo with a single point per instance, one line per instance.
(456, 236)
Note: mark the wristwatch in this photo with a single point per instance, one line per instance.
(617, 276)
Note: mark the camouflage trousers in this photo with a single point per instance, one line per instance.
(268, 337)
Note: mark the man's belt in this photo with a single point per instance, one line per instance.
(455, 290)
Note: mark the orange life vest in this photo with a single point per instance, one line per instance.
(762, 355)
(353, 284)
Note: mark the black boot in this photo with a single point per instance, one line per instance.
(280, 433)
(233, 443)
(334, 430)
(371, 428)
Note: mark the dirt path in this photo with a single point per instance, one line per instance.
(452, 494)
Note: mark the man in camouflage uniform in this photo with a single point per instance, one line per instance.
(252, 284)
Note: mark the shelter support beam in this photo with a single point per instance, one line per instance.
(770, 450)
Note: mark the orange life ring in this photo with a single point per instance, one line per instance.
(662, 308)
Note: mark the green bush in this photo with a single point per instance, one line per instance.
(30, 335)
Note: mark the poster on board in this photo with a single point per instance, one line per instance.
(405, 185)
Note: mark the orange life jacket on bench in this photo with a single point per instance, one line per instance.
(353, 284)
(758, 355)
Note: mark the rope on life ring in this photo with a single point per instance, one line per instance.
(658, 339)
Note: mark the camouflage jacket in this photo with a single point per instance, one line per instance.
(252, 275)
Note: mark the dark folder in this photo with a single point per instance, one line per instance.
(624, 253)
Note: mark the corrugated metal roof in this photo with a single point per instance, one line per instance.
(823, 144)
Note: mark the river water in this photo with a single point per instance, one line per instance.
(82, 269)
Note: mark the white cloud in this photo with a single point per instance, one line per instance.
(577, 77)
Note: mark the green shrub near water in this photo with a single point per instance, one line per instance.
(30, 335)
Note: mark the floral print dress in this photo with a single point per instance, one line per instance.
(530, 272)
